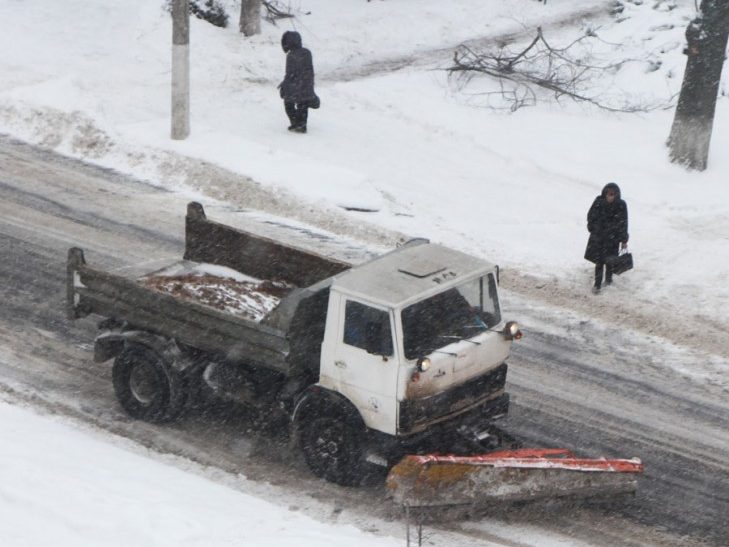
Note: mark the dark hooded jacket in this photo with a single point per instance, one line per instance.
(607, 224)
(298, 84)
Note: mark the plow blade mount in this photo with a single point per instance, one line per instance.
(509, 475)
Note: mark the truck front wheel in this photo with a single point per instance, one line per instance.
(147, 387)
(333, 450)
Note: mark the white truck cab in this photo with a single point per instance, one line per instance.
(416, 337)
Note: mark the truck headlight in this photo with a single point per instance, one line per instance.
(511, 331)
(423, 364)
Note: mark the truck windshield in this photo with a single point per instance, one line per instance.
(456, 314)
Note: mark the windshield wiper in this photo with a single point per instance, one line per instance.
(458, 338)
(425, 350)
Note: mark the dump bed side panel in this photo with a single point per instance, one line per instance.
(94, 291)
(251, 254)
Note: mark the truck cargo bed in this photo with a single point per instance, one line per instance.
(219, 287)
(235, 338)
(227, 318)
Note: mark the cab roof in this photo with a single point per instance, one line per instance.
(408, 273)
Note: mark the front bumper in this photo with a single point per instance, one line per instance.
(479, 395)
(462, 434)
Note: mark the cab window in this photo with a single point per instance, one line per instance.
(367, 328)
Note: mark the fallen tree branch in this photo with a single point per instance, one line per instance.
(564, 71)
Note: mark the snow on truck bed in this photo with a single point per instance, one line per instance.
(219, 287)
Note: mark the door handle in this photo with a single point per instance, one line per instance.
(340, 364)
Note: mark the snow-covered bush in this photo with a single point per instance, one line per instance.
(211, 11)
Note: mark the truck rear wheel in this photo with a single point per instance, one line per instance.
(146, 386)
(333, 449)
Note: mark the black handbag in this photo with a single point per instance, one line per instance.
(315, 102)
(620, 263)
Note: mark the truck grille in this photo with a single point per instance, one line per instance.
(417, 413)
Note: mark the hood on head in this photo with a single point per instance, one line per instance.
(290, 40)
(611, 186)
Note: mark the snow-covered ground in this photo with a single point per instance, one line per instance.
(425, 154)
(70, 485)
(61, 485)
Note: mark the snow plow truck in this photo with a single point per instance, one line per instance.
(402, 354)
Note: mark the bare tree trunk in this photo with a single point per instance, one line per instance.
(180, 69)
(250, 17)
(694, 118)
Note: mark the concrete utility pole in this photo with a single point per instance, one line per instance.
(180, 69)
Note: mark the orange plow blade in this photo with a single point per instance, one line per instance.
(509, 475)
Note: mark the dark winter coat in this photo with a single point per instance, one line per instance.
(298, 84)
(607, 224)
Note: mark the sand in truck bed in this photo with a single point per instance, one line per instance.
(251, 299)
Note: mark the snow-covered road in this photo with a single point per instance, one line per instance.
(575, 382)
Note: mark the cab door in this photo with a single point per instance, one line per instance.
(366, 364)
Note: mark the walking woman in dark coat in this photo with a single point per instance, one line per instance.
(607, 222)
(297, 88)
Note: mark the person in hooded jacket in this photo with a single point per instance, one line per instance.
(297, 87)
(607, 222)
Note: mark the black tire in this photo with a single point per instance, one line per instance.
(147, 387)
(333, 449)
